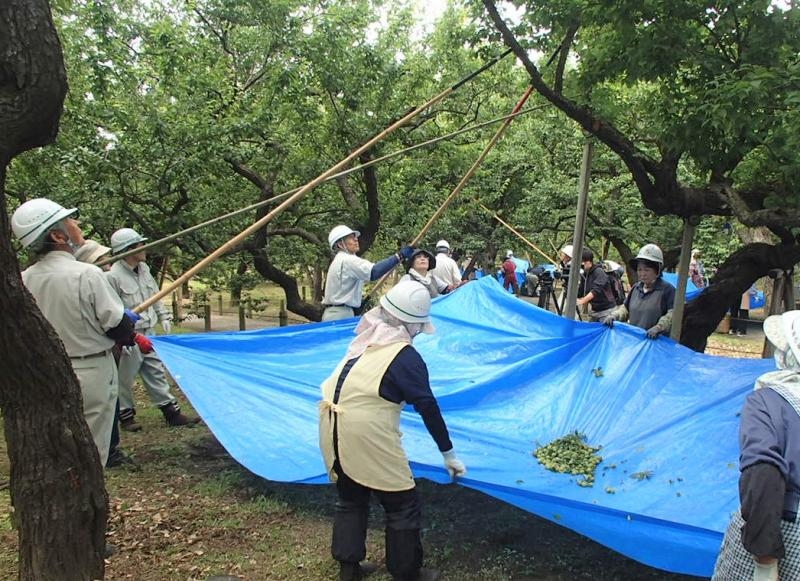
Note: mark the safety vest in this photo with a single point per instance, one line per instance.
(367, 426)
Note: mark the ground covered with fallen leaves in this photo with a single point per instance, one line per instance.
(191, 512)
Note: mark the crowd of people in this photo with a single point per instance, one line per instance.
(92, 310)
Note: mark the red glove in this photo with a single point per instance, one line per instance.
(145, 344)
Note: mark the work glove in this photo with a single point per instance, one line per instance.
(609, 321)
(654, 331)
(132, 315)
(406, 252)
(145, 344)
(766, 572)
(454, 466)
(166, 324)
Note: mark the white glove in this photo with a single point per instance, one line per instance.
(166, 324)
(454, 466)
(766, 572)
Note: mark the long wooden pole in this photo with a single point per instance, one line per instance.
(571, 307)
(443, 206)
(276, 198)
(687, 240)
(306, 188)
(520, 236)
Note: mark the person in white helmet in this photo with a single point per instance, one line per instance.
(762, 542)
(348, 272)
(91, 252)
(79, 303)
(446, 268)
(650, 301)
(359, 434)
(130, 276)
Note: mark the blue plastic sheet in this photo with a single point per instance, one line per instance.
(691, 290)
(509, 377)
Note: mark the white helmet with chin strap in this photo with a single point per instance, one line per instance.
(124, 238)
(339, 232)
(37, 217)
(443, 245)
(651, 253)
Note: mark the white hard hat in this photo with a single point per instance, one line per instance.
(649, 252)
(125, 238)
(509, 254)
(442, 244)
(339, 232)
(783, 331)
(91, 251)
(34, 218)
(409, 301)
(567, 250)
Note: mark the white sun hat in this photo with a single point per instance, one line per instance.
(783, 331)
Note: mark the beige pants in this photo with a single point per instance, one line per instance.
(337, 313)
(98, 379)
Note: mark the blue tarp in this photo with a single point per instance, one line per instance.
(691, 290)
(509, 377)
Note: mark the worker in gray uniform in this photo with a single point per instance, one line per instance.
(79, 303)
(348, 272)
(131, 278)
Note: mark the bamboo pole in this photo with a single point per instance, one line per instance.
(443, 206)
(363, 166)
(308, 187)
(520, 236)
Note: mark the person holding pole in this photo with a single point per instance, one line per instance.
(91, 252)
(79, 303)
(348, 272)
(359, 434)
(132, 280)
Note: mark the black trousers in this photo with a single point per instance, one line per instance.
(403, 523)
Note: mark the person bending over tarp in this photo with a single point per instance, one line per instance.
(649, 303)
(348, 272)
(762, 542)
(359, 434)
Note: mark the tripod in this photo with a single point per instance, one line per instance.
(545, 293)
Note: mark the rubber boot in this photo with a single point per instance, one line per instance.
(127, 421)
(349, 572)
(356, 571)
(119, 459)
(174, 416)
(424, 574)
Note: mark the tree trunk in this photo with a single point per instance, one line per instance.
(733, 277)
(60, 504)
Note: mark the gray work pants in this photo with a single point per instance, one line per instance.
(98, 380)
(133, 362)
